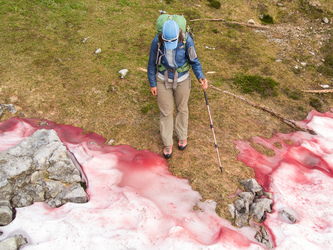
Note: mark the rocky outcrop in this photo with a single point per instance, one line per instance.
(252, 204)
(39, 169)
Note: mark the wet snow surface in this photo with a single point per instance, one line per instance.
(135, 202)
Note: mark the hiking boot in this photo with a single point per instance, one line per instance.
(167, 152)
(182, 144)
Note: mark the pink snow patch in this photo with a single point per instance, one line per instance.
(300, 177)
(135, 202)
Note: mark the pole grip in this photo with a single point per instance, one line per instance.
(206, 98)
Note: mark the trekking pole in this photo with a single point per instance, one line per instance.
(212, 127)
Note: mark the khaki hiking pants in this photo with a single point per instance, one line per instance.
(166, 97)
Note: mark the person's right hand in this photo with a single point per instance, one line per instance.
(153, 90)
(204, 83)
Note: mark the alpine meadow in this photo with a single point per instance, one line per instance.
(282, 60)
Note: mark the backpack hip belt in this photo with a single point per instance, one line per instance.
(181, 69)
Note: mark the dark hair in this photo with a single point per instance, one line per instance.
(180, 37)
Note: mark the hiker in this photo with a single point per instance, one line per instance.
(172, 53)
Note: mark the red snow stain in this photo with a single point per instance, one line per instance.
(299, 161)
(143, 173)
(296, 153)
(134, 190)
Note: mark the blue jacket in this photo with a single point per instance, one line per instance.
(181, 56)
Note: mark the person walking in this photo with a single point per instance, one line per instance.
(171, 55)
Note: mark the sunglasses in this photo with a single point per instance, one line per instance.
(170, 40)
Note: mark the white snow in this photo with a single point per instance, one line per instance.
(135, 202)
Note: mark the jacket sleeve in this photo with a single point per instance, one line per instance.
(193, 58)
(151, 69)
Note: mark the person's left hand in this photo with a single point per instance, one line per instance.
(153, 90)
(204, 83)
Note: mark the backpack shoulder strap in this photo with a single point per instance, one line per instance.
(159, 55)
(185, 40)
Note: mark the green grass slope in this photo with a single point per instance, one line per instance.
(49, 70)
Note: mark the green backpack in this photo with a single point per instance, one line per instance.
(180, 20)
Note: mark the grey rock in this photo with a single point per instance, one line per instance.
(268, 195)
(75, 194)
(262, 237)
(259, 193)
(62, 168)
(326, 20)
(5, 203)
(6, 213)
(259, 208)
(242, 208)
(241, 219)
(251, 185)
(40, 169)
(251, 21)
(20, 240)
(22, 198)
(254, 203)
(13, 165)
(248, 198)
(36, 177)
(239, 205)
(232, 210)
(60, 194)
(287, 216)
(53, 188)
(123, 73)
(7, 107)
(43, 123)
(54, 202)
(6, 189)
(13, 243)
(10, 108)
